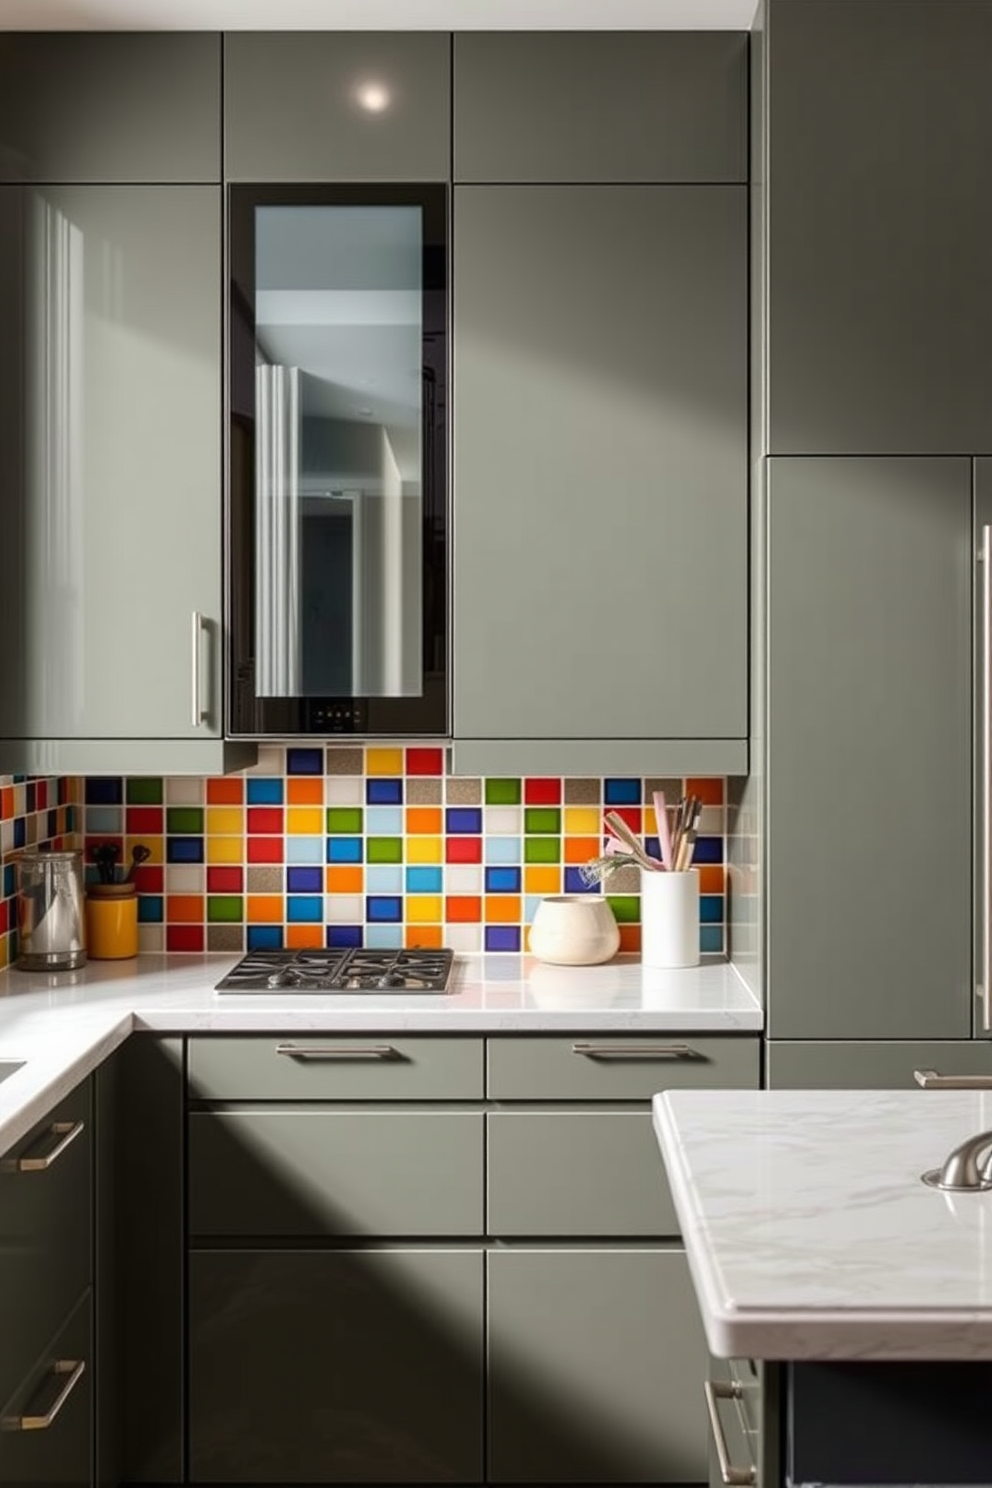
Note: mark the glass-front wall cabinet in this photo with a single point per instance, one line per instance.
(338, 509)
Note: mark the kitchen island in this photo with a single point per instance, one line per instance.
(815, 1246)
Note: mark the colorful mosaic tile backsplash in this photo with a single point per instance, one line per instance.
(350, 846)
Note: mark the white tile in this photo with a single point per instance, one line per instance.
(711, 821)
(344, 909)
(151, 938)
(185, 878)
(344, 790)
(184, 790)
(464, 938)
(506, 820)
(463, 878)
(271, 760)
(6, 837)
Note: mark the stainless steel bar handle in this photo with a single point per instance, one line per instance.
(199, 713)
(930, 1080)
(985, 987)
(338, 1051)
(715, 1391)
(634, 1051)
(73, 1369)
(66, 1132)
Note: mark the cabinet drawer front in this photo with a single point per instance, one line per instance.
(332, 1067)
(614, 1067)
(53, 1400)
(872, 1064)
(572, 1173)
(45, 1230)
(320, 1171)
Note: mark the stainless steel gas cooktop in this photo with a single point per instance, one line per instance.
(414, 970)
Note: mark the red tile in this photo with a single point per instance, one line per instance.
(144, 821)
(225, 790)
(4, 916)
(265, 819)
(225, 880)
(150, 878)
(265, 849)
(41, 795)
(463, 850)
(184, 938)
(542, 791)
(632, 815)
(425, 762)
(463, 908)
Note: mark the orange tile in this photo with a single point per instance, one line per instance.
(184, 909)
(429, 937)
(6, 802)
(265, 909)
(543, 878)
(424, 820)
(345, 880)
(711, 878)
(225, 790)
(305, 790)
(581, 849)
(503, 909)
(630, 937)
(305, 821)
(709, 789)
(304, 937)
(463, 908)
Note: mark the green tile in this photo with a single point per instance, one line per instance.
(542, 819)
(345, 820)
(187, 820)
(500, 792)
(384, 850)
(144, 790)
(626, 908)
(542, 849)
(227, 907)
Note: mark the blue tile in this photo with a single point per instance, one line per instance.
(341, 936)
(384, 878)
(304, 762)
(708, 850)
(711, 939)
(31, 797)
(384, 937)
(502, 849)
(502, 880)
(626, 792)
(52, 824)
(384, 821)
(711, 909)
(380, 792)
(71, 815)
(531, 901)
(20, 831)
(305, 909)
(9, 880)
(575, 884)
(263, 790)
(652, 847)
(502, 937)
(304, 881)
(103, 790)
(464, 819)
(304, 849)
(424, 880)
(344, 849)
(150, 909)
(384, 907)
(184, 849)
(265, 937)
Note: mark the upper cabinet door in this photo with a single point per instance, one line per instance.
(109, 106)
(600, 413)
(600, 106)
(879, 247)
(337, 106)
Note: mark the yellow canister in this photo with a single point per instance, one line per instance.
(111, 921)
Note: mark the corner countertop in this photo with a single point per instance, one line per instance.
(63, 1026)
(809, 1232)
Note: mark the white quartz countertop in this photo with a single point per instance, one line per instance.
(63, 1026)
(809, 1232)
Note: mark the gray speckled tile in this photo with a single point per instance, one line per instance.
(342, 761)
(582, 792)
(225, 938)
(423, 791)
(465, 791)
(264, 880)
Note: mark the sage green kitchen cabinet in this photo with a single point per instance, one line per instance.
(46, 1436)
(337, 106)
(875, 1064)
(336, 1366)
(600, 470)
(879, 227)
(869, 727)
(102, 106)
(600, 106)
(110, 474)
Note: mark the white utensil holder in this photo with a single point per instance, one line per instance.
(670, 918)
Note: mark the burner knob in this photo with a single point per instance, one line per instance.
(392, 979)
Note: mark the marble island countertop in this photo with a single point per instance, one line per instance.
(809, 1232)
(62, 1027)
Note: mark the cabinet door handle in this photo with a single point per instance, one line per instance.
(73, 1369)
(66, 1132)
(199, 713)
(985, 987)
(339, 1051)
(635, 1051)
(715, 1391)
(931, 1080)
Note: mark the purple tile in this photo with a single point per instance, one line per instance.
(576, 884)
(463, 819)
(340, 937)
(502, 937)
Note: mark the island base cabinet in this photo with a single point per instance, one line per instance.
(343, 1366)
(595, 1361)
(46, 1427)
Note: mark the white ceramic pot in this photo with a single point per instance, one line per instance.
(574, 930)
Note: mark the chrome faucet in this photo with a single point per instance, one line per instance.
(960, 1171)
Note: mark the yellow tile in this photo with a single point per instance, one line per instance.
(542, 879)
(384, 762)
(155, 846)
(424, 850)
(306, 819)
(4, 943)
(583, 821)
(225, 849)
(424, 909)
(225, 819)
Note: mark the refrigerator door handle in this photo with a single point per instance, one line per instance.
(985, 986)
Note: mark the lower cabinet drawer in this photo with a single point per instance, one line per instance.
(341, 1366)
(559, 1172)
(618, 1067)
(46, 1436)
(345, 1067)
(314, 1170)
(878, 1064)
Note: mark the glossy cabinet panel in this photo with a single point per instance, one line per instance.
(878, 1064)
(110, 106)
(600, 434)
(617, 1066)
(870, 566)
(596, 1364)
(532, 106)
(337, 106)
(335, 1067)
(46, 1438)
(110, 462)
(336, 1367)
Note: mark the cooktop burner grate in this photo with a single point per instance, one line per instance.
(414, 970)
